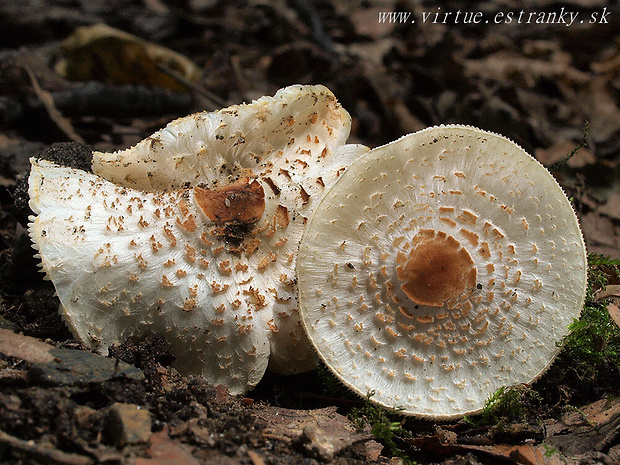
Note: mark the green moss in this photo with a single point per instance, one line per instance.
(507, 404)
(550, 451)
(600, 270)
(593, 343)
(589, 362)
(386, 426)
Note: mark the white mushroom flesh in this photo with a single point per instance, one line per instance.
(439, 268)
(194, 234)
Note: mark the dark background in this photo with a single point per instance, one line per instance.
(548, 87)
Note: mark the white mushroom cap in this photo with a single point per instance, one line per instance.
(293, 131)
(207, 261)
(439, 268)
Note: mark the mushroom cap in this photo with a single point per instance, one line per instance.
(194, 234)
(439, 268)
(283, 137)
(128, 264)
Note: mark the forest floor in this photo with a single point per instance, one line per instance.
(551, 87)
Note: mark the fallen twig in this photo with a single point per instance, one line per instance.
(42, 453)
(209, 100)
(612, 290)
(46, 98)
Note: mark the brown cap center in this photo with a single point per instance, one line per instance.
(437, 269)
(241, 201)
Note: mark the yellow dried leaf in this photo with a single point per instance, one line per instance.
(103, 53)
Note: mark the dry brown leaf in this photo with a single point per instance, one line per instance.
(528, 454)
(591, 427)
(164, 450)
(602, 234)
(256, 458)
(609, 65)
(526, 72)
(25, 347)
(604, 113)
(602, 411)
(525, 454)
(560, 150)
(614, 313)
(366, 22)
(612, 207)
(611, 292)
(289, 424)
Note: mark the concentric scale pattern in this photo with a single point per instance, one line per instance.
(439, 268)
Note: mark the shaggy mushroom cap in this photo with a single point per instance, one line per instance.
(193, 234)
(439, 268)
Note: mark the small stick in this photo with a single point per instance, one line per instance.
(46, 98)
(41, 453)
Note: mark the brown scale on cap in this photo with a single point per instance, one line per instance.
(437, 269)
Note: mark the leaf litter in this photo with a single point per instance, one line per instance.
(393, 80)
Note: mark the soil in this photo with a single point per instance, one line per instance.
(550, 87)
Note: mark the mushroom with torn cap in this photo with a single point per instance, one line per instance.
(193, 234)
(439, 268)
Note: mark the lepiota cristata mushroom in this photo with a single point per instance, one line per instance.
(193, 234)
(439, 268)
